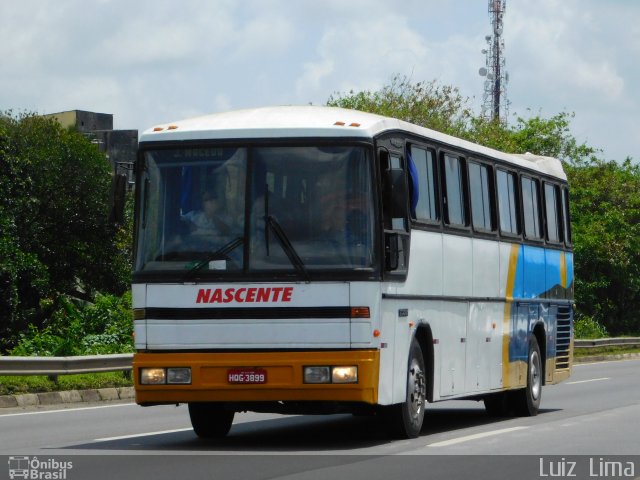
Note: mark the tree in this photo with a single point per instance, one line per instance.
(605, 207)
(543, 136)
(429, 104)
(55, 236)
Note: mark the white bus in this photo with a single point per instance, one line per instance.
(322, 260)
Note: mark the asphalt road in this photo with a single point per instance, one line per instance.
(583, 421)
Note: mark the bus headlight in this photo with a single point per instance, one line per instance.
(153, 376)
(344, 374)
(327, 374)
(317, 375)
(180, 375)
(162, 376)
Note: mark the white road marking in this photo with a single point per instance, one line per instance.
(136, 435)
(475, 436)
(65, 410)
(590, 380)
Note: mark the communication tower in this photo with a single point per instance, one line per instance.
(495, 105)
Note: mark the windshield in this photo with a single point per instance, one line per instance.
(223, 211)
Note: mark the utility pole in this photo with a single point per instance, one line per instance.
(495, 105)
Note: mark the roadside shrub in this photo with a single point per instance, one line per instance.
(588, 327)
(80, 328)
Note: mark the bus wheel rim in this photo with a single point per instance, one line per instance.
(417, 390)
(534, 372)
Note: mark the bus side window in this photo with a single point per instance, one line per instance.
(454, 191)
(480, 187)
(531, 208)
(552, 204)
(566, 217)
(507, 204)
(427, 202)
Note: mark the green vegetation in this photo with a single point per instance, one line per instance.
(606, 225)
(57, 245)
(102, 327)
(588, 327)
(37, 383)
(605, 195)
(590, 352)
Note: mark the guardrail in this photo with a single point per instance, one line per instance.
(608, 342)
(54, 366)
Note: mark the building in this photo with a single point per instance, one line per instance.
(120, 146)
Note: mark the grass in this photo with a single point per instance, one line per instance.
(10, 385)
(616, 350)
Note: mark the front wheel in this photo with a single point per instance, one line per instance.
(526, 401)
(404, 420)
(210, 420)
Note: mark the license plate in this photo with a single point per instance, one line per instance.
(247, 375)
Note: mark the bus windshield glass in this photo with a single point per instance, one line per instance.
(242, 211)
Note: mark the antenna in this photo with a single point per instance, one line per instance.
(495, 105)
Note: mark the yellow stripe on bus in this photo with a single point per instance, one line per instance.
(506, 322)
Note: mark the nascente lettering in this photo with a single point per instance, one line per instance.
(245, 295)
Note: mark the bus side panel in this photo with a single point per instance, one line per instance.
(484, 327)
(484, 347)
(452, 339)
(388, 318)
(486, 268)
(457, 266)
(425, 275)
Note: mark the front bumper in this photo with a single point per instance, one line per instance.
(209, 372)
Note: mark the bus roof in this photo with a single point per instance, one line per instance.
(318, 122)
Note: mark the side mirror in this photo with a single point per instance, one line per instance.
(396, 195)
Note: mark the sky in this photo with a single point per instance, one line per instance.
(150, 62)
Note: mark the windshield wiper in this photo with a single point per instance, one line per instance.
(292, 255)
(221, 253)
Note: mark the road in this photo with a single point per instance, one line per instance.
(587, 419)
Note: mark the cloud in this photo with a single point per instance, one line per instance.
(152, 60)
(361, 54)
(560, 55)
(266, 35)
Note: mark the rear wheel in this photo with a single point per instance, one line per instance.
(526, 401)
(210, 420)
(404, 420)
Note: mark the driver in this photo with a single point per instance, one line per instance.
(211, 219)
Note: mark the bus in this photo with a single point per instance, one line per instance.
(314, 260)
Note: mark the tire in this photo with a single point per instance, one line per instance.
(526, 402)
(404, 420)
(210, 420)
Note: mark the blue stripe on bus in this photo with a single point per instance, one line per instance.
(540, 274)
